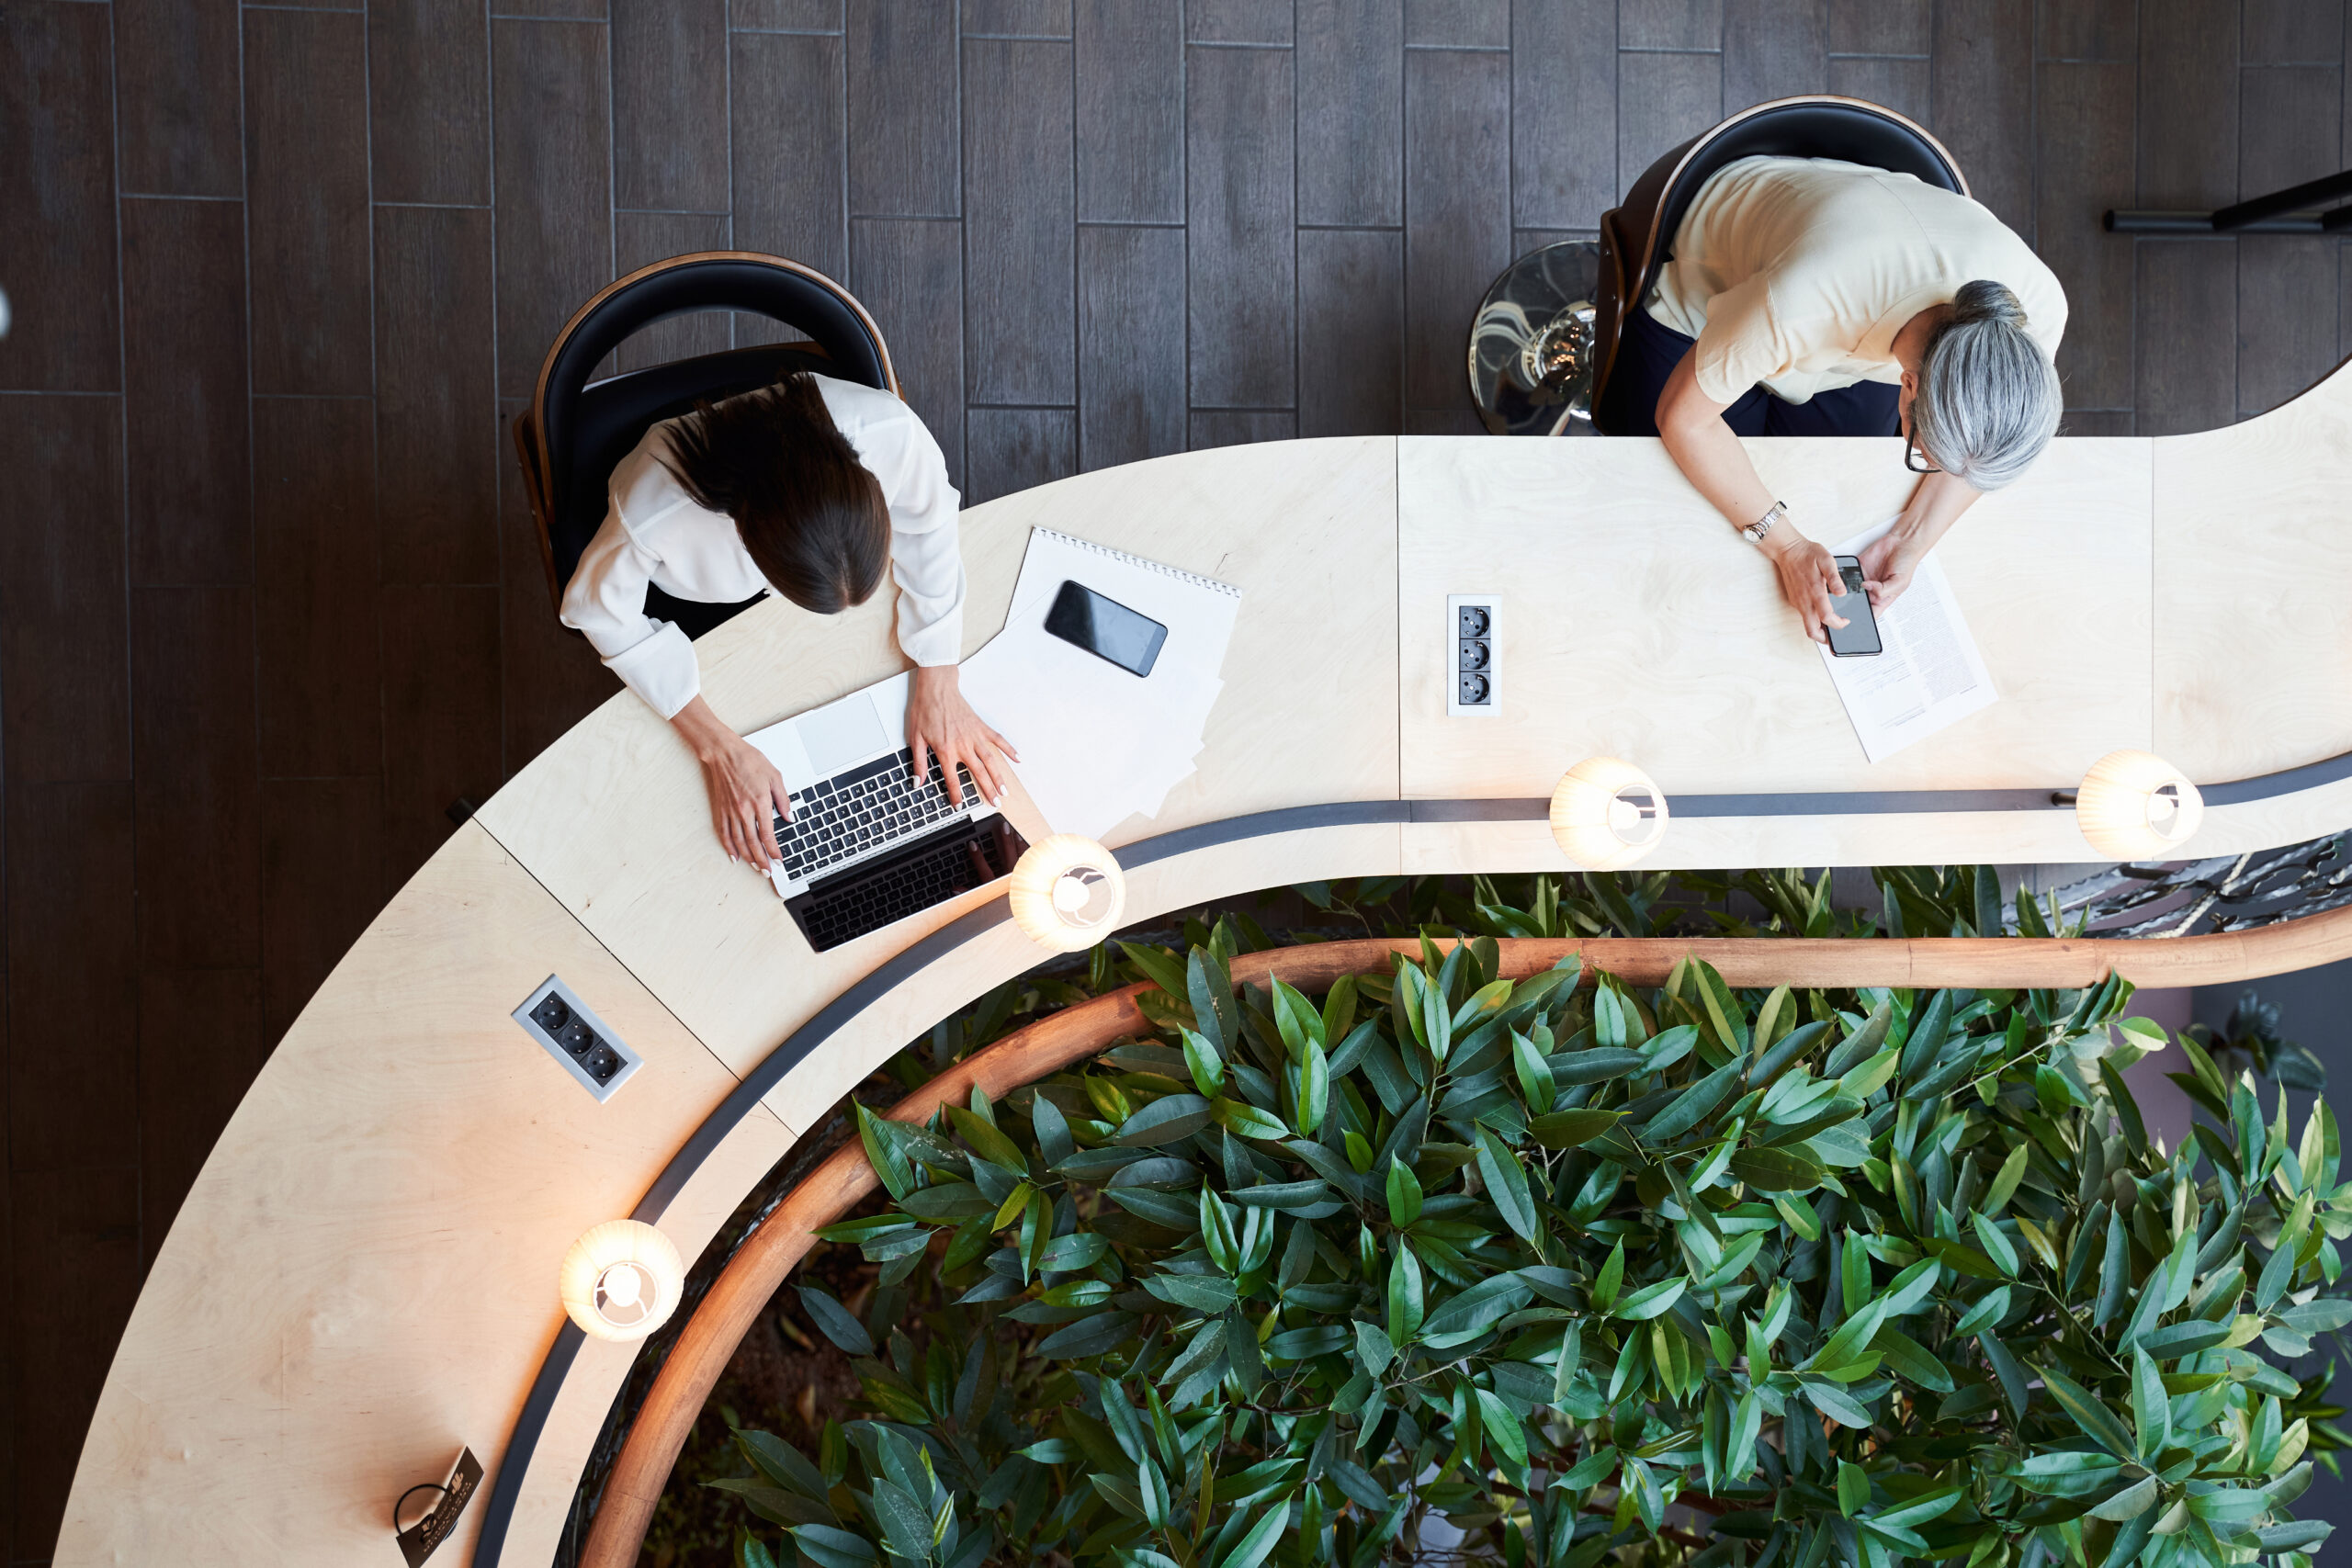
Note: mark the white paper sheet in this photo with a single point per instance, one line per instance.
(1098, 743)
(1930, 675)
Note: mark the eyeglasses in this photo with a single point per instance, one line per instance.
(1911, 451)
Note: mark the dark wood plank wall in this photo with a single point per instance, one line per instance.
(269, 601)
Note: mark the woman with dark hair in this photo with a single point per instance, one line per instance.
(1809, 297)
(808, 488)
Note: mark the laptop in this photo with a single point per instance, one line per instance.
(866, 846)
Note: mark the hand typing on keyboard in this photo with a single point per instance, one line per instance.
(870, 806)
(941, 728)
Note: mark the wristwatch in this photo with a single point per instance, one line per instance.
(1763, 526)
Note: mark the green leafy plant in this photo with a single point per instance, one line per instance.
(2249, 1038)
(1560, 1271)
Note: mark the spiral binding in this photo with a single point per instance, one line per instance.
(1196, 578)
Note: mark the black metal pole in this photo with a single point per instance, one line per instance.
(2294, 198)
(2142, 220)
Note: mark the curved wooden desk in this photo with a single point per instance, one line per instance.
(363, 1276)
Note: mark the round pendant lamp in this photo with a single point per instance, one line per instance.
(622, 1281)
(1607, 813)
(1067, 893)
(2136, 805)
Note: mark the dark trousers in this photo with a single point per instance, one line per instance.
(1647, 354)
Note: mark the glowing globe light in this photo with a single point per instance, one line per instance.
(622, 1281)
(1067, 893)
(1607, 813)
(2136, 806)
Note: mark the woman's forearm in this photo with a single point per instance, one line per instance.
(705, 733)
(1712, 459)
(1691, 425)
(1934, 507)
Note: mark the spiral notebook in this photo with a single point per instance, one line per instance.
(1098, 743)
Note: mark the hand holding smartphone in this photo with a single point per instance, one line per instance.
(1857, 639)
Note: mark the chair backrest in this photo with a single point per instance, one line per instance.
(575, 434)
(1638, 234)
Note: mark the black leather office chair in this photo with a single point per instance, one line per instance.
(574, 433)
(1637, 235)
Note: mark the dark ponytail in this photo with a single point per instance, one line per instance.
(810, 514)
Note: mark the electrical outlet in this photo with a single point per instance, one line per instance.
(1470, 633)
(576, 1037)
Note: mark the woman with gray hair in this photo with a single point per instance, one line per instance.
(1809, 297)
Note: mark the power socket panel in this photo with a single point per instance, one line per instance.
(1470, 690)
(585, 1044)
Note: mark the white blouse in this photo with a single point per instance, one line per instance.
(1796, 274)
(654, 533)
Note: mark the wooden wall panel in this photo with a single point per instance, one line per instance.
(668, 148)
(907, 272)
(73, 953)
(1564, 113)
(63, 666)
(2189, 63)
(552, 142)
(1019, 266)
(1351, 112)
(902, 123)
(1351, 345)
(1663, 100)
(428, 101)
(190, 476)
(2186, 374)
(1241, 255)
(57, 119)
(1457, 201)
(306, 164)
(437, 445)
(1774, 49)
(316, 546)
(1984, 101)
(1014, 449)
(787, 114)
(182, 119)
(2084, 118)
(198, 784)
(1670, 24)
(1130, 106)
(77, 1231)
(1130, 344)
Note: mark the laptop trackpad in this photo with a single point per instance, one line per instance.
(842, 735)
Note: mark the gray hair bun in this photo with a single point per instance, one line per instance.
(1986, 301)
(1988, 400)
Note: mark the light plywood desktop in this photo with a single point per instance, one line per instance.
(363, 1278)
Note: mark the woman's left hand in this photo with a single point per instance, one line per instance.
(941, 723)
(1888, 564)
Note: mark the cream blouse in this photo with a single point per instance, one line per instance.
(1796, 273)
(654, 533)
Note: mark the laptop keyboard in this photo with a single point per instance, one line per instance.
(873, 803)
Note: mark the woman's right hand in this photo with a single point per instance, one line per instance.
(747, 792)
(1809, 580)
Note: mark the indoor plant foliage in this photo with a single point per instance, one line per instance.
(1571, 1272)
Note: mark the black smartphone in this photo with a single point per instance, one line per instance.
(1857, 639)
(1106, 628)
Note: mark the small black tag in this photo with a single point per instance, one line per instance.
(418, 1541)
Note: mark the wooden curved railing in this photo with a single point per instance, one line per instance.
(760, 1265)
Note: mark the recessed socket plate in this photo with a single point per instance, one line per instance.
(575, 1036)
(1470, 656)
